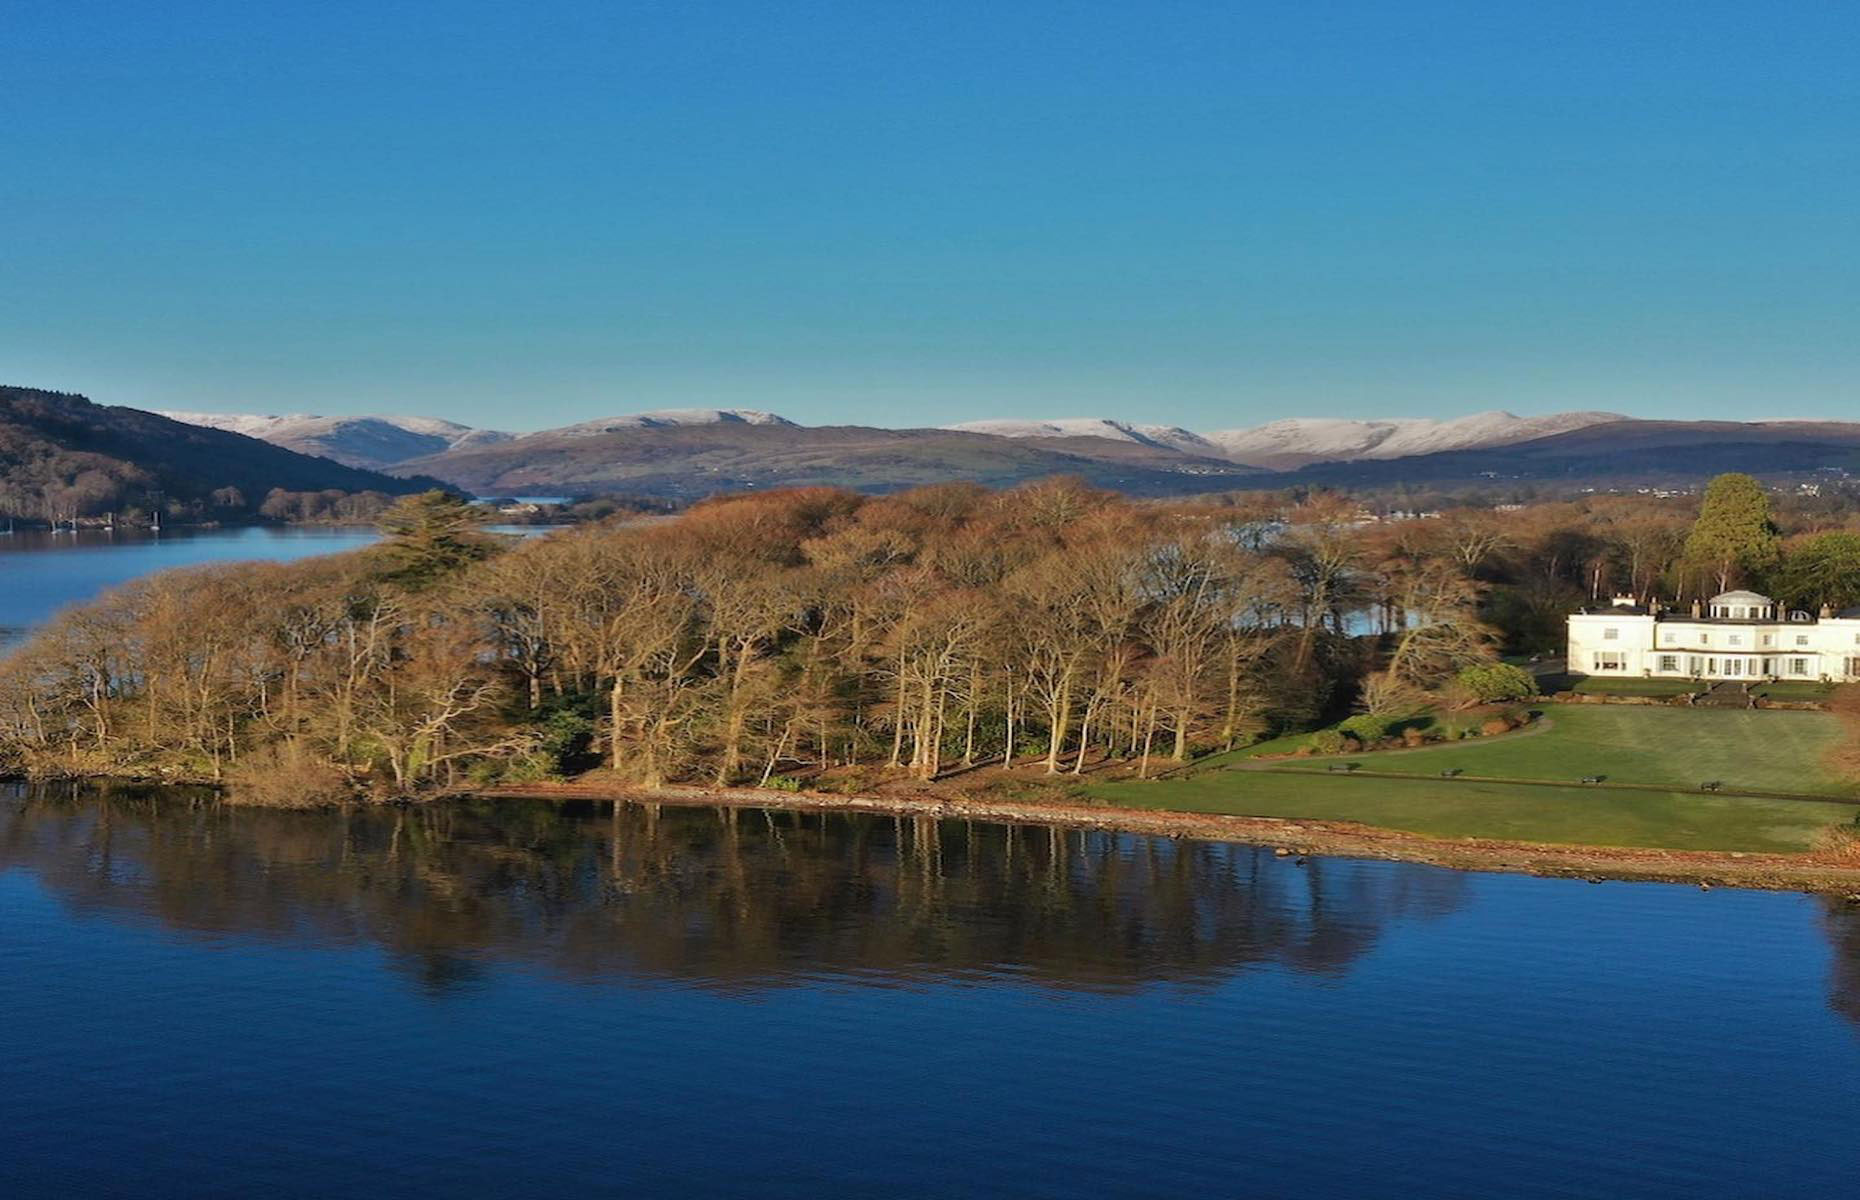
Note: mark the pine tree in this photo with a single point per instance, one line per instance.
(429, 536)
(1733, 533)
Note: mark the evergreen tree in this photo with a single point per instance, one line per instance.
(1733, 533)
(429, 536)
(1823, 569)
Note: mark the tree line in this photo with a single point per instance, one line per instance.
(822, 634)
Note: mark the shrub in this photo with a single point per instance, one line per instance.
(568, 741)
(1413, 736)
(783, 783)
(281, 777)
(1491, 682)
(1366, 727)
(1327, 741)
(1495, 725)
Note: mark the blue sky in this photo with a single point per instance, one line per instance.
(1213, 215)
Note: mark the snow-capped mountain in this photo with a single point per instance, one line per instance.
(383, 441)
(1296, 441)
(373, 441)
(1171, 436)
(663, 418)
(378, 442)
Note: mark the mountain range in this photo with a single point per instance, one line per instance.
(379, 442)
(690, 453)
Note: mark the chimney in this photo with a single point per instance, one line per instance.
(1827, 610)
(1698, 608)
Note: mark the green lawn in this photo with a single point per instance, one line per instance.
(1606, 685)
(1586, 816)
(1599, 685)
(1662, 747)
(1745, 749)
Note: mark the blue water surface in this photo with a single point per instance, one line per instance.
(504, 999)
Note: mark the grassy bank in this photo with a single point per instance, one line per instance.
(1653, 748)
(1747, 750)
(1570, 815)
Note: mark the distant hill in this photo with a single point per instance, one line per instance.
(63, 456)
(688, 461)
(684, 453)
(1171, 436)
(368, 442)
(1297, 441)
(1643, 451)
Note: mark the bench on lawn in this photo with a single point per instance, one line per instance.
(1341, 767)
(1593, 778)
(1712, 785)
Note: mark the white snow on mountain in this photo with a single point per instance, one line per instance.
(1170, 436)
(371, 441)
(664, 417)
(383, 441)
(1298, 440)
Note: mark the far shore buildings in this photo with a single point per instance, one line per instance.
(1735, 635)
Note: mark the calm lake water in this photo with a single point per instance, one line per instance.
(515, 999)
(42, 572)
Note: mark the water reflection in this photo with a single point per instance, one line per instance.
(1841, 921)
(724, 899)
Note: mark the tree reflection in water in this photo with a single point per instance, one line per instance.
(1841, 921)
(717, 898)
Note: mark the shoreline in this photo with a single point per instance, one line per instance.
(1811, 872)
(1815, 872)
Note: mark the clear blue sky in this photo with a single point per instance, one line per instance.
(900, 213)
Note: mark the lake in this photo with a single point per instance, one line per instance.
(513, 998)
(42, 572)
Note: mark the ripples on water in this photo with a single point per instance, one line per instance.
(507, 998)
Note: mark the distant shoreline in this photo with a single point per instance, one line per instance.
(1810, 872)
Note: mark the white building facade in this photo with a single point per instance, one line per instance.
(1737, 635)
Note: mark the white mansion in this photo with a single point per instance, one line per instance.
(1737, 635)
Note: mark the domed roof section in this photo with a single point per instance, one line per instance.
(1741, 598)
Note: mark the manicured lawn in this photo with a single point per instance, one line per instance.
(1674, 748)
(1586, 816)
(1680, 748)
(1793, 689)
(1605, 685)
(1597, 685)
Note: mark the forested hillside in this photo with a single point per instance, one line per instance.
(64, 458)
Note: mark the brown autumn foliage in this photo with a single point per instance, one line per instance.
(805, 632)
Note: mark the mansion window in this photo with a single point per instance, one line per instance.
(1610, 660)
(1798, 666)
(1669, 662)
(1769, 640)
(1704, 639)
(1801, 639)
(1736, 639)
(1610, 634)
